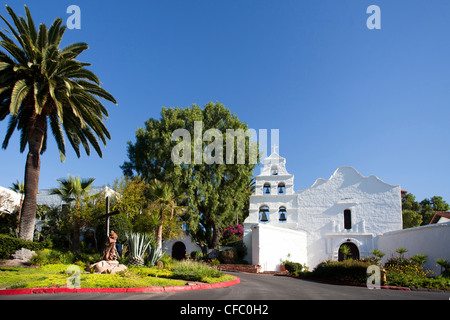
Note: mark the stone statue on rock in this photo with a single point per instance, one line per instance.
(109, 264)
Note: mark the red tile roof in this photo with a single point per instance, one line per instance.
(438, 215)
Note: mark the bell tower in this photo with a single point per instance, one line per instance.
(273, 199)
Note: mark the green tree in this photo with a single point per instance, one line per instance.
(214, 192)
(409, 203)
(75, 190)
(411, 218)
(133, 198)
(411, 211)
(41, 85)
(161, 193)
(430, 206)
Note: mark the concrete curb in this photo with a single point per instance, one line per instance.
(344, 283)
(9, 292)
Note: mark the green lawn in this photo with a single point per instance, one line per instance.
(55, 274)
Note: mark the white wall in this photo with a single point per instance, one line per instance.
(271, 245)
(432, 240)
(375, 208)
(186, 239)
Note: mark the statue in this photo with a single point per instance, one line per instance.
(110, 253)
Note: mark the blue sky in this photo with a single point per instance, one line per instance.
(340, 94)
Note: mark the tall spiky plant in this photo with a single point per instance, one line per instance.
(41, 85)
(137, 245)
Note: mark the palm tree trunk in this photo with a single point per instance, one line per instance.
(76, 238)
(20, 212)
(36, 134)
(160, 229)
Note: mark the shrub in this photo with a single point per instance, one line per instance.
(400, 261)
(241, 249)
(351, 271)
(215, 262)
(168, 262)
(232, 234)
(9, 245)
(293, 268)
(227, 256)
(50, 256)
(194, 271)
(196, 255)
(445, 267)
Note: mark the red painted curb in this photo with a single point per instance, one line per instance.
(7, 292)
(102, 290)
(145, 289)
(10, 292)
(63, 290)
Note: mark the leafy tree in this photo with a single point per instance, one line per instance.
(166, 203)
(411, 211)
(430, 206)
(149, 207)
(133, 198)
(75, 190)
(214, 192)
(409, 203)
(411, 219)
(41, 85)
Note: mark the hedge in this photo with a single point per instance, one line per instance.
(9, 245)
(351, 271)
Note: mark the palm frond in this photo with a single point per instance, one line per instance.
(20, 91)
(39, 78)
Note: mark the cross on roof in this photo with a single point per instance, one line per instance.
(274, 148)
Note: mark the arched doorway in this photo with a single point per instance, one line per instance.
(178, 250)
(352, 251)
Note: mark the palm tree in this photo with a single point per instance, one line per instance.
(346, 251)
(162, 195)
(74, 190)
(41, 85)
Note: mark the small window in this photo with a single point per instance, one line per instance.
(282, 214)
(281, 188)
(274, 170)
(266, 188)
(347, 219)
(264, 214)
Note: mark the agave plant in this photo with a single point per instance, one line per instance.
(138, 244)
(154, 253)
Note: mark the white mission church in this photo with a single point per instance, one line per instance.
(310, 226)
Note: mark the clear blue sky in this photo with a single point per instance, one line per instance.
(340, 94)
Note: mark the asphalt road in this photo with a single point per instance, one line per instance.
(256, 287)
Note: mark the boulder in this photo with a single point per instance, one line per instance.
(24, 255)
(105, 266)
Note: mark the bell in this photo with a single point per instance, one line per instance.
(280, 190)
(264, 217)
(282, 216)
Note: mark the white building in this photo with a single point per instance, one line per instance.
(310, 226)
(9, 200)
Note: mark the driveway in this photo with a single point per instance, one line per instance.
(256, 287)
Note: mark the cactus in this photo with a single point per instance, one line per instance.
(138, 244)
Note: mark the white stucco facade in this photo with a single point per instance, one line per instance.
(432, 240)
(9, 200)
(315, 226)
(187, 245)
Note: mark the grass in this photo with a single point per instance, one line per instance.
(55, 275)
